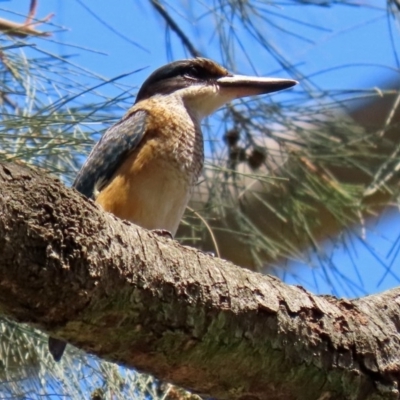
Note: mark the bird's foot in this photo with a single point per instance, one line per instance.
(163, 233)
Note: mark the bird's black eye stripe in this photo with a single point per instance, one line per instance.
(198, 73)
(179, 74)
(194, 73)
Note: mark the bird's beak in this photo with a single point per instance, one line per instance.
(236, 86)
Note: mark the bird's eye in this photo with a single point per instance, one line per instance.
(195, 74)
(192, 73)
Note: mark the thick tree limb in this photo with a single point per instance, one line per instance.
(147, 302)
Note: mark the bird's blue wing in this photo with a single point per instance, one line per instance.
(109, 153)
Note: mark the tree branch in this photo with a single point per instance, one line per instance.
(19, 30)
(123, 293)
(175, 27)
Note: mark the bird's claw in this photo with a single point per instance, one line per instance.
(163, 233)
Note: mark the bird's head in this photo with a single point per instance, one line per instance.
(204, 86)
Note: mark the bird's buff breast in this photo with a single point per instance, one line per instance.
(155, 182)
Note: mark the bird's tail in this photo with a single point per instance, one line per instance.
(56, 348)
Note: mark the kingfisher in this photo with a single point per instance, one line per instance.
(144, 167)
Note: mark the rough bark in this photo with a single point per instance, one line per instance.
(147, 302)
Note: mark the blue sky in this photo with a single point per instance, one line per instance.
(344, 46)
(341, 36)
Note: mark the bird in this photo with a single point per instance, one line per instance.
(144, 167)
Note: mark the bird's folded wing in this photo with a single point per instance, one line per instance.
(110, 152)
